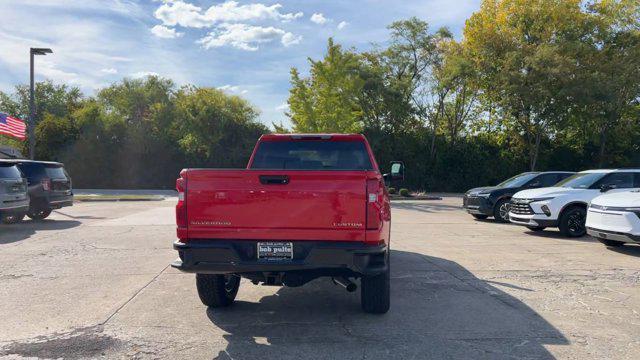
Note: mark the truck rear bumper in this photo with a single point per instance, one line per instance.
(239, 256)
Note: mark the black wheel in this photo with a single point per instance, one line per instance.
(572, 220)
(611, 243)
(536, 228)
(12, 218)
(501, 211)
(479, 216)
(39, 214)
(217, 290)
(375, 292)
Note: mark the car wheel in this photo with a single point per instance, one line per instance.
(217, 290)
(12, 218)
(572, 221)
(501, 211)
(375, 292)
(480, 216)
(536, 228)
(39, 214)
(611, 243)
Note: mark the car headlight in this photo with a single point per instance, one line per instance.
(484, 195)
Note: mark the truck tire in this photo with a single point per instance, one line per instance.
(217, 290)
(572, 221)
(39, 214)
(480, 216)
(375, 292)
(611, 243)
(501, 211)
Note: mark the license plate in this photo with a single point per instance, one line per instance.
(275, 251)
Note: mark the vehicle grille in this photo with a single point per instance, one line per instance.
(471, 201)
(520, 209)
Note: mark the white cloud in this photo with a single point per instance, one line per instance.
(165, 32)
(319, 19)
(282, 107)
(342, 25)
(289, 39)
(109, 71)
(246, 37)
(142, 74)
(188, 15)
(232, 89)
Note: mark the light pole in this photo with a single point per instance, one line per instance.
(32, 102)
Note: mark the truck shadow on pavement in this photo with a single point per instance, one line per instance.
(24, 230)
(438, 310)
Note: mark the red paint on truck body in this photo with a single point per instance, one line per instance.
(329, 205)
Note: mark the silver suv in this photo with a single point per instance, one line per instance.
(14, 200)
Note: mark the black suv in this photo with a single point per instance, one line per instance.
(494, 201)
(49, 186)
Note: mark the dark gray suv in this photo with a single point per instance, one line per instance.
(49, 186)
(14, 200)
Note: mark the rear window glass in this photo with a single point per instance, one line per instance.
(312, 155)
(56, 172)
(32, 171)
(9, 172)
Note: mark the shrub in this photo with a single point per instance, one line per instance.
(392, 190)
(405, 192)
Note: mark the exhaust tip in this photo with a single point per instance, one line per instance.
(349, 285)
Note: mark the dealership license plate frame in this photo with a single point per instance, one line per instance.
(274, 250)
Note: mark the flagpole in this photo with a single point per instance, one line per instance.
(32, 140)
(32, 101)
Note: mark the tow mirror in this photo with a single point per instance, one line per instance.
(397, 170)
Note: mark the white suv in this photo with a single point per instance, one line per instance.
(565, 204)
(614, 219)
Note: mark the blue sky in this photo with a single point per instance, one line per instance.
(243, 47)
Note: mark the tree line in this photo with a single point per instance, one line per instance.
(138, 133)
(531, 85)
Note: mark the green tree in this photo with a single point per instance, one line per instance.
(215, 129)
(610, 76)
(329, 99)
(522, 51)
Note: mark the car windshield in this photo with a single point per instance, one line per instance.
(312, 155)
(517, 180)
(581, 180)
(9, 172)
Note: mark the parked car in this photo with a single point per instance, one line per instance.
(49, 186)
(614, 219)
(307, 206)
(494, 201)
(565, 205)
(14, 201)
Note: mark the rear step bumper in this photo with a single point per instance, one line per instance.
(239, 256)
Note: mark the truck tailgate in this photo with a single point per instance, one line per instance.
(276, 204)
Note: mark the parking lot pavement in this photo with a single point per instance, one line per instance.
(93, 281)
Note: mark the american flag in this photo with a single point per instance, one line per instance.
(12, 126)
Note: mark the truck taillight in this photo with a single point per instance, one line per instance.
(181, 207)
(46, 184)
(374, 204)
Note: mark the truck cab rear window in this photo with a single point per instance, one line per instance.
(312, 155)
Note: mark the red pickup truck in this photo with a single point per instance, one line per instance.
(306, 206)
